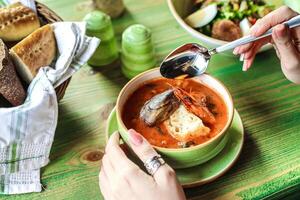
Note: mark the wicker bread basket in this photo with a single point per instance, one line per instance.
(47, 16)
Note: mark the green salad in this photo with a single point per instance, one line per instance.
(227, 19)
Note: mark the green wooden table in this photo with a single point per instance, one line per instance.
(269, 165)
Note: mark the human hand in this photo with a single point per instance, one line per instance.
(121, 179)
(285, 41)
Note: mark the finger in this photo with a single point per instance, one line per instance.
(250, 56)
(288, 53)
(141, 146)
(276, 50)
(274, 18)
(242, 49)
(115, 154)
(242, 57)
(125, 169)
(247, 47)
(247, 63)
(105, 186)
(253, 51)
(115, 179)
(108, 167)
(144, 151)
(296, 37)
(262, 25)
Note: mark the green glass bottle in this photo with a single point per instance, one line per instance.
(99, 25)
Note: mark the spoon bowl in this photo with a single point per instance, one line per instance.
(186, 61)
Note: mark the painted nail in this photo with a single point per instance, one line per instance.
(135, 137)
(242, 57)
(245, 65)
(236, 51)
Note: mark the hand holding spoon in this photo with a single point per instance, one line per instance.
(192, 59)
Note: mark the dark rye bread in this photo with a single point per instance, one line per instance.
(10, 84)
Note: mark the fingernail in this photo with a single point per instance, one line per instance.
(135, 137)
(242, 57)
(235, 51)
(245, 65)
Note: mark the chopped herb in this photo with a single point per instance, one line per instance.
(235, 10)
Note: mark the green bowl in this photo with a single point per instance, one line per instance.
(180, 9)
(186, 157)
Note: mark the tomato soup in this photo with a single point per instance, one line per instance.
(157, 135)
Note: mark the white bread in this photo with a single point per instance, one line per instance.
(17, 21)
(35, 51)
(185, 126)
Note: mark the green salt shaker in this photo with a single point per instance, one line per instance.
(137, 50)
(99, 25)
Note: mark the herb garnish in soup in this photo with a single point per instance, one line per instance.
(175, 113)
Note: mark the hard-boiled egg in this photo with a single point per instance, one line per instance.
(203, 16)
(245, 26)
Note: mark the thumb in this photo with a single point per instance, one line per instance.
(285, 46)
(289, 56)
(144, 151)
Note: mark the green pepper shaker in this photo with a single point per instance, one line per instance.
(99, 25)
(137, 50)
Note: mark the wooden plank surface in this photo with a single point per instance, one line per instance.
(269, 165)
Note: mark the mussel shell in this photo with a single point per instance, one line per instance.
(159, 108)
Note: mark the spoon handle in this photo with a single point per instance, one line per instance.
(294, 22)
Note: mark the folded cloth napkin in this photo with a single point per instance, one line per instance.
(27, 131)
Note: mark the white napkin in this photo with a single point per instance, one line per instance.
(27, 131)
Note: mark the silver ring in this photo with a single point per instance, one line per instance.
(153, 164)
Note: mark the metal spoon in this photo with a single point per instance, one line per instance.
(192, 59)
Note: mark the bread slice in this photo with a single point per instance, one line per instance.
(10, 84)
(17, 21)
(185, 126)
(33, 52)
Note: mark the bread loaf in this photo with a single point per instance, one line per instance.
(33, 52)
(185, 126)
(17, 21)
(10, 85)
